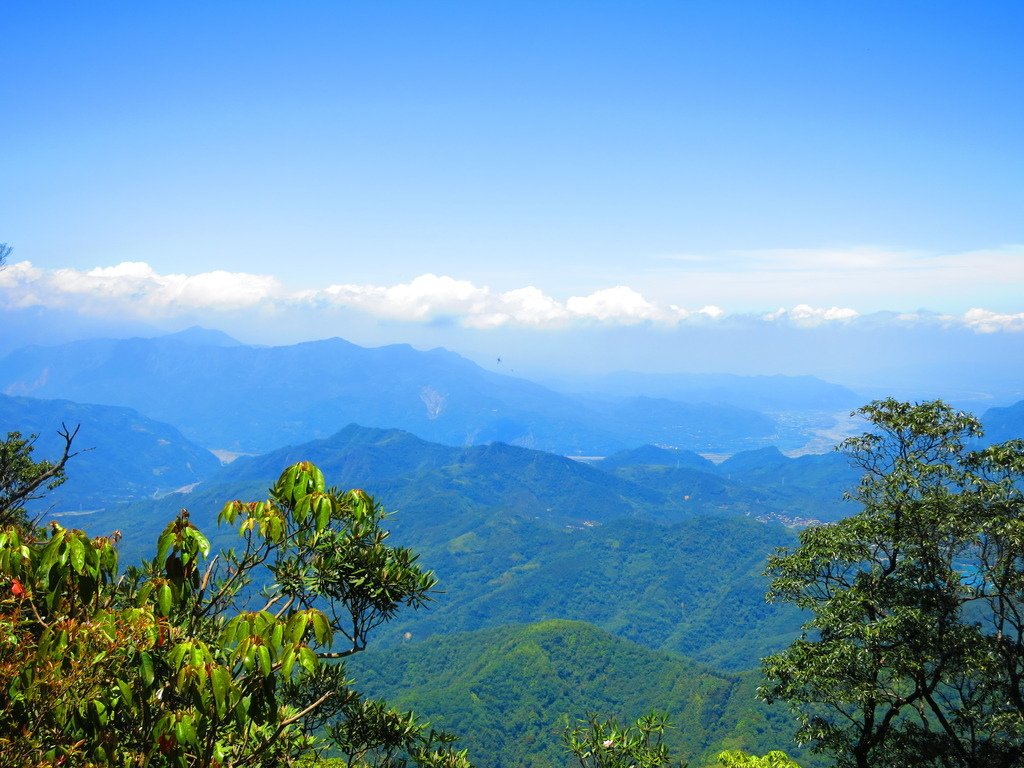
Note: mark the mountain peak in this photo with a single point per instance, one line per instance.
(207, 337)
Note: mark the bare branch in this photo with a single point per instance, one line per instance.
(23, 490)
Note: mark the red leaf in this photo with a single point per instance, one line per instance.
(17, 589)
(166, 743)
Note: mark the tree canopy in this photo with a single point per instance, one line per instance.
(202, 659)
(914, 652)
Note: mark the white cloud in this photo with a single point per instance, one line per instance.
(984, 321)
(425, 298)
(527, 306)
(619, 303)
(135, 289)
(429, 297)
(806, 316)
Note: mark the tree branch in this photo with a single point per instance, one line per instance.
(19, 493)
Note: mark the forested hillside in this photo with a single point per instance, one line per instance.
(569, 586)
(520, 536)
(511, 690)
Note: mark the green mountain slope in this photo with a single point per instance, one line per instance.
(651, 455)
(693, 587)
(519, 536)
(509, 690)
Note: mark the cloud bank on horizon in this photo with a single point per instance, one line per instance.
(136, 290)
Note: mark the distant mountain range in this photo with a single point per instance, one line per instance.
(763, 483)
(123, 454)
(226, 395)
(762, 393)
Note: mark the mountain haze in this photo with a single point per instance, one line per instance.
(225, 395)
(1003, 424)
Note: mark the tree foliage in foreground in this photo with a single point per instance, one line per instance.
(597, 743)
(735, 758)
(184, 662)
(914, 654)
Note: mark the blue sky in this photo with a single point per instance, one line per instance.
(416, 171)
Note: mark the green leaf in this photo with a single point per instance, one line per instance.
(165, 542)
(321, 628)
(229, 512)
(288, 661)
(76, 553)
(185, 730)
(144, 592)
(51, 554)
(263, 657)
(146, 668)
(285, 486)
(242, 710)
(301, 510)
(201, 543)
(220, 679)
(323, 512)
(297, 626)
(126, 693)
(163, 599)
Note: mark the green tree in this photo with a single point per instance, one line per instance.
(192, 660)
(597, 743)
(914, 652)
(735, 758)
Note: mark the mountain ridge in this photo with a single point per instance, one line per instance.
(121, 454)
(253, 399)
